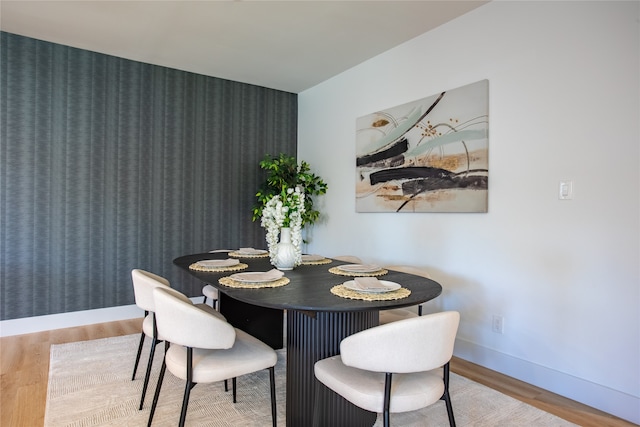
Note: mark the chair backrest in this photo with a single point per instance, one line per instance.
(143, 284)
(409, 269)
(182, 323)
(348, 258)
(412, 345)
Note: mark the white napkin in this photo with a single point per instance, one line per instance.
(359, 268)
(273, 274)
(213, 263)
(312, 257)
(258, 276)
(369, 284)
(250, 251)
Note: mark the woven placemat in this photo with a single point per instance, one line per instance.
(318, 262)
(236, 267)
(342, 291)
(338, 271)
(241, 255)
(228, 281)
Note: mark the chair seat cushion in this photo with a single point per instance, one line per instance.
(247, 355)
(365, 389)
(388, 316)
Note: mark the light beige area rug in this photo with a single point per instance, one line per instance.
(90, 385)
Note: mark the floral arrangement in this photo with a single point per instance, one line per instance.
(281, 211)
(284, 172)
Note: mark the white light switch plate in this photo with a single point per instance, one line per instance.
(565, 190)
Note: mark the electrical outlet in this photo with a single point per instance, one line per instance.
(497, 324)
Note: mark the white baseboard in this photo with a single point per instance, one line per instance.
(49, 322)
(30, 325)
(591, 394)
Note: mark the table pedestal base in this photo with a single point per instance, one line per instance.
(312, 336)
(261, 322)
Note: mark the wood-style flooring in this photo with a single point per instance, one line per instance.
(24, 370)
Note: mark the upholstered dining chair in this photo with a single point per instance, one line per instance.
(398, 367)
(201, 347)
(209, 292)
(144, 283)
(393, 315)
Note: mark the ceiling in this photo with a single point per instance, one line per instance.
(284, 45)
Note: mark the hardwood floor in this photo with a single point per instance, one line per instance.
(560, 406)
(24, 368)
(24, 371)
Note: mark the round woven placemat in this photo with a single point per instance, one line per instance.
(236, 267)
(338, 271)
(343, 292)
(241, 255)
(228, 281)
(318, 262)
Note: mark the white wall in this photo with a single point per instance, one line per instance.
(564, 105)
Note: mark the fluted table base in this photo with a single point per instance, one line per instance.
(312, 336)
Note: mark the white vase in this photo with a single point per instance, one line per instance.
(286, 253)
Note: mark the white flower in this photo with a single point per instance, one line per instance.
(284, 210)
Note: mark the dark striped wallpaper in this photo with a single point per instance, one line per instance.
(108, 164)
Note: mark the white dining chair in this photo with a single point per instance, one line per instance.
(393, 315)
(144, 282)
(398, 367)
(201, 347)
(210, 293)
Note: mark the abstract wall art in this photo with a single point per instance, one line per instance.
(429, 155)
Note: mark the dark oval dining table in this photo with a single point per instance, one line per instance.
(317, 321)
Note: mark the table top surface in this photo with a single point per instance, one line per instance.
(309, 286)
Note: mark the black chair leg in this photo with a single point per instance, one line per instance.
(387, 399)
(187, 389)
(233, 385)
(445, 395)
(135, 366)
(272, 386)
(213, 302)
(185, 402)
(226, 385)
(447, 401)
(158, 386)
(147, 375)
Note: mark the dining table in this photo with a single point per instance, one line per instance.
(321, 305)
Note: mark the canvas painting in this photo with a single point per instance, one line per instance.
(429, 155)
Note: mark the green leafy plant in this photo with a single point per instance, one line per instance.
(283, 172)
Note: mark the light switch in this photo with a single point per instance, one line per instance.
(565, 191)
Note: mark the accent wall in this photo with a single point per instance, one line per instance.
(108, 164)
